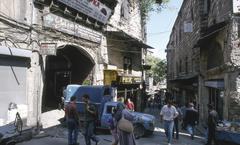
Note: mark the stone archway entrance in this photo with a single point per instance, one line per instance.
(71, 65)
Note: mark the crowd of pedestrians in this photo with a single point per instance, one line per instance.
(171, 115)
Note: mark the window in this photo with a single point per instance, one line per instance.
(180, 32)
(215, 56)
(110, 109)
(207, 6)
(238, 30)
(177, 69)
(192, 14)
(180, 66)
(125, 9)
(127, 65)
(186, 65)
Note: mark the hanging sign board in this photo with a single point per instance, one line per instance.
(72, 28)
(91, 8)
(48, 48)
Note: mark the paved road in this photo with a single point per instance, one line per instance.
(58, 136)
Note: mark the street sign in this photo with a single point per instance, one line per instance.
(48, 48)
(236, 6)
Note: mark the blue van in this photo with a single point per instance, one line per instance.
(102, 98)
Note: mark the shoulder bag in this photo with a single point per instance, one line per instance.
(125, 125)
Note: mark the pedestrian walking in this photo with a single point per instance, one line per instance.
(177, 120)
(130, 105)
(90, 115)
(168, 114)
(113, 128)
(125, 138)
(72, 119)
(183, 109)
(191, 119)
(212, 123)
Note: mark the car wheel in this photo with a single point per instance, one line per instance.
(139, 131)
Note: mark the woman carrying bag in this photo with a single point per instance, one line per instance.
(125, 127)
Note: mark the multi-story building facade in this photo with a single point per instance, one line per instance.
(47, 44)
(202, 57)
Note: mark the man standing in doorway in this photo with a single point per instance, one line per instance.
(212, 123)
(90, 114)
(168, 114)
(72, 121)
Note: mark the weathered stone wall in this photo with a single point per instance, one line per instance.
(21, 24)
(17, 17)
(126, 19)
(17, 10)
(220, 10)
(117, 50)
(131, 22)
(182, 44)
(233, 63)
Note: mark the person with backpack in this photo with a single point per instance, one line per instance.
(72, 119)
(90, 114)
(191, 119)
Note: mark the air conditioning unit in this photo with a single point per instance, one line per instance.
(236, 6)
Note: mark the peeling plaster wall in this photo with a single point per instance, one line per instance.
(130, 25)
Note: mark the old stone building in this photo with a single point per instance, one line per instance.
(202, 57)
(47, 44)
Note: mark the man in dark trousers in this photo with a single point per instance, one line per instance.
(90, 114)
(72, 118)
(191, 119)
(212, 123)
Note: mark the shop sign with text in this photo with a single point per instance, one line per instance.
(72, 28)
(91, 8)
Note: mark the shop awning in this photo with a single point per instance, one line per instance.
(211, 32)
(127, 38)
(219, 84)
(186, 77)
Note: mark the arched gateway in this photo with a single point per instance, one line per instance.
(70, 65)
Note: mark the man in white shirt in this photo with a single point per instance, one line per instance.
(167, 114)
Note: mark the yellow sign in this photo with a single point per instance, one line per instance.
(109, 76)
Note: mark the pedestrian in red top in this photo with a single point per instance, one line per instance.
(72, 118)
(130, 104)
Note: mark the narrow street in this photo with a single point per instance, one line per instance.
(58, 135)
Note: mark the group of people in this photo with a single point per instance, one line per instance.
(73, 121)
(171, 114)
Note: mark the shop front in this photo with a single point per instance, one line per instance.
(127, 86)
(14, 64)
(216, 95)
